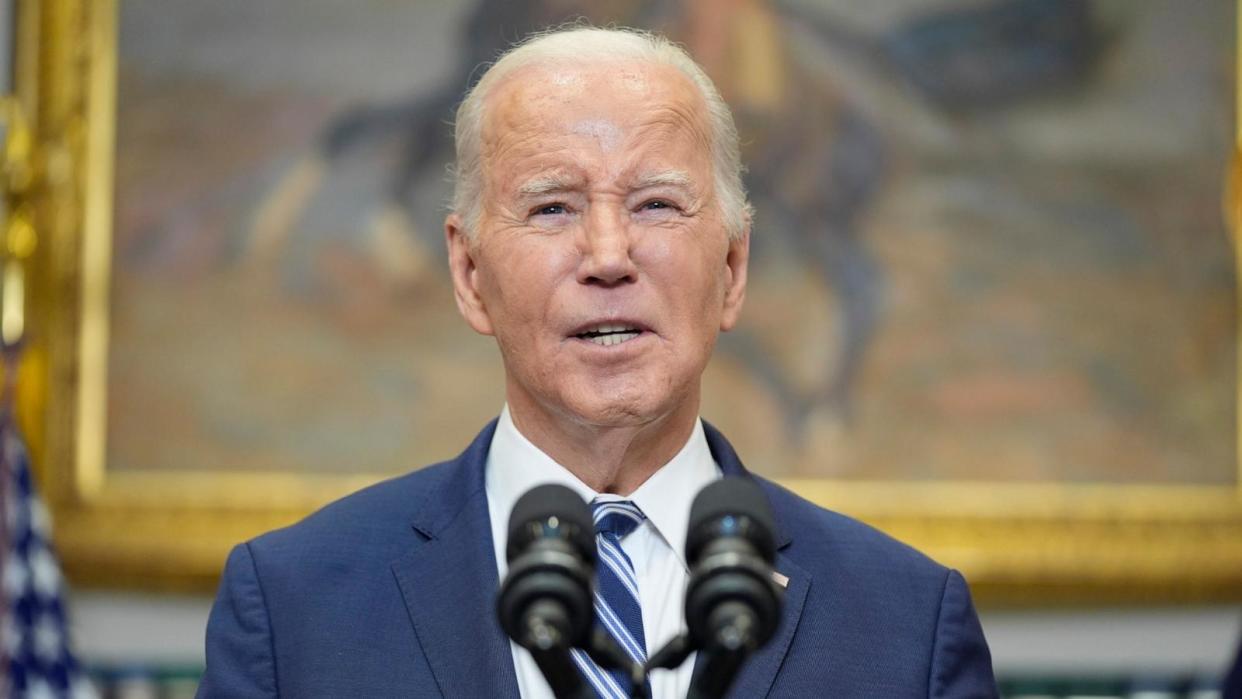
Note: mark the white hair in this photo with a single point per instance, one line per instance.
(583, 44)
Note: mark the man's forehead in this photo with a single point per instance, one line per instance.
(637, 77)
(604, 131)
(589, 98)
(567, 78)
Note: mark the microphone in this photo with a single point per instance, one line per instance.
(732, 603)
(546, 602)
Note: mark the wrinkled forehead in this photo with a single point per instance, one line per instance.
(600, 99)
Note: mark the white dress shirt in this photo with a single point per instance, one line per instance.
(515, 465)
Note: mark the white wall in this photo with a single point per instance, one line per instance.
(1199, 640)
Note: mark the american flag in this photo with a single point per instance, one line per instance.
(34, 640)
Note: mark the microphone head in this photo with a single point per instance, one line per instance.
(731, 506)
(551, 511)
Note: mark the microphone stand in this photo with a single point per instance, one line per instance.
(672, 655)
(715, 674)
(608, 655)
(545, 640)
(558, 668)
(561, 673)
(723, 654)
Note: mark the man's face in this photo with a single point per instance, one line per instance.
(602, 264)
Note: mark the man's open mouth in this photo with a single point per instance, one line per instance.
(607, 335)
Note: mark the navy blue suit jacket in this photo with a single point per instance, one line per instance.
(390, 593)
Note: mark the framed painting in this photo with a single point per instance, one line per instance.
(993, 308)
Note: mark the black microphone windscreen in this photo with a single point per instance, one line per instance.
(541, 503)
(738, 497)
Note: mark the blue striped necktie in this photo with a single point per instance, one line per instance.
(616, 596)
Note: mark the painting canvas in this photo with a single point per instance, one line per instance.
(988, 244)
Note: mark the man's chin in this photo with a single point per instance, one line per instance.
(613, 412)
(605, 405)
(610, 415)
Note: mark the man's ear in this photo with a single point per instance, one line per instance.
(736, 262)
(465, 275)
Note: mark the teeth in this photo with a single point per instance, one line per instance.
(614, 338)
(609, 334)
(612, 329)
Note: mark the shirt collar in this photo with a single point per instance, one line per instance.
(515, 465)
(666, 496)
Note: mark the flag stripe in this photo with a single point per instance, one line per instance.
(35, 654)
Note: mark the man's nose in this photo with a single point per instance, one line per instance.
(606, 244)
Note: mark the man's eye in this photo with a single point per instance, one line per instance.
(550, 210)
(656, 205)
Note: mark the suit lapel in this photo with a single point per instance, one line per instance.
(760, 669)
(757, 675)
(449, 582)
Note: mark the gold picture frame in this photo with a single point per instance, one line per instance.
(1017, 543)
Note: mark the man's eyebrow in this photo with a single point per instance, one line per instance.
(546, 184)
(674, 178)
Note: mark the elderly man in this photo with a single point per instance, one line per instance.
(600, 233)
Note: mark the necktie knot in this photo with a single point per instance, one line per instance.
(616, 517)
